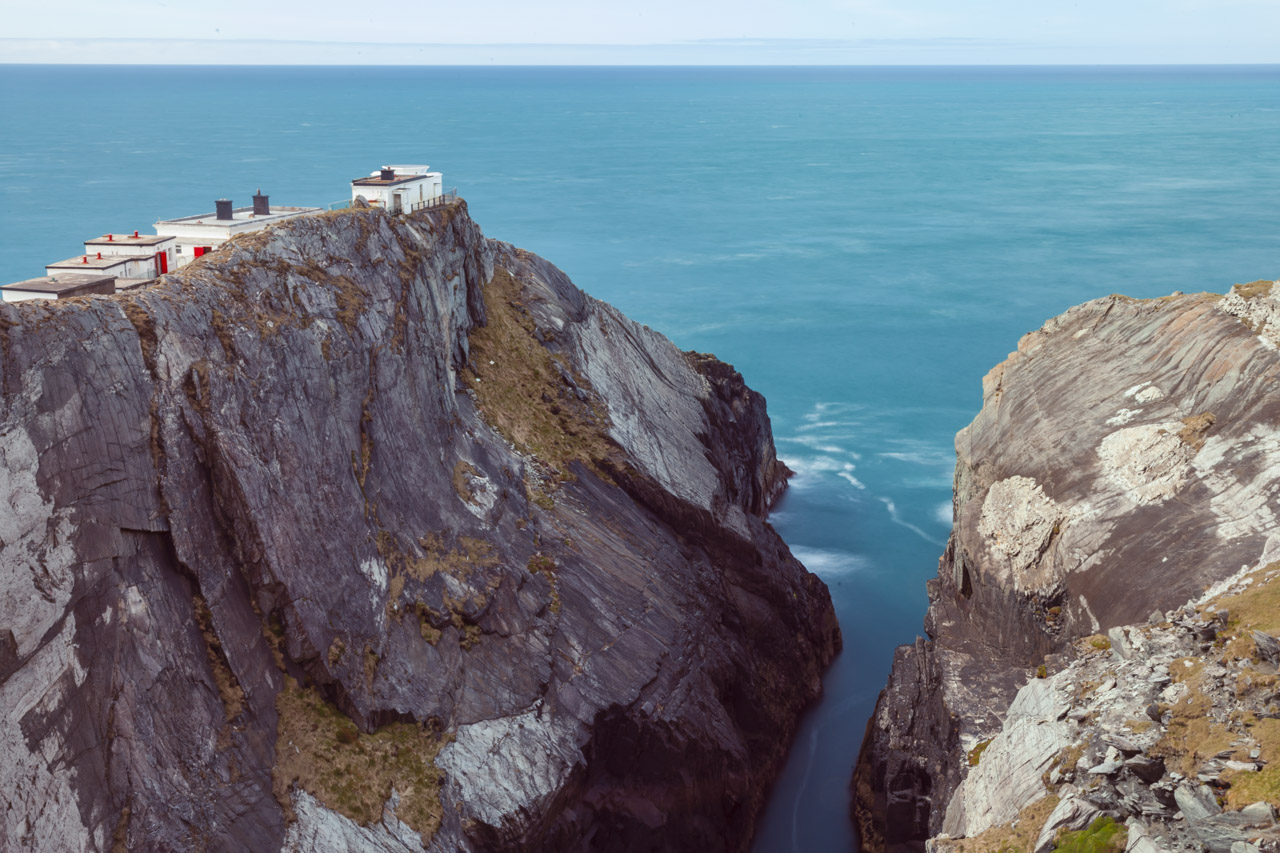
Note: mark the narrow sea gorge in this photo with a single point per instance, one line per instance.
(863, 245)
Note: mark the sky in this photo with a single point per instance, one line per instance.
(593, 32)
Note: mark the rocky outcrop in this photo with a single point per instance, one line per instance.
(1168, 728)
(366, 532)
(1126, 457)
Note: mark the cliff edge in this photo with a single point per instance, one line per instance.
(1126, 458)
(367, 532)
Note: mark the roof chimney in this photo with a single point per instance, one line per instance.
(111, 238)
(224, 208)
(260, 205)
(388, 174)
(135, 234)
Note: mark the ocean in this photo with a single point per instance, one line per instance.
(863, 244)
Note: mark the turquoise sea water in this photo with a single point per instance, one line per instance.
(863, 244)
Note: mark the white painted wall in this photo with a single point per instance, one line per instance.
(431, 185)
(214, 232)
(120, 247)
(125, 267)
(24, 295)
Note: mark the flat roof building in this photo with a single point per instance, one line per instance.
(399, 189)
(200, 234)
(60, 286)
(116, 266)
(158, 248)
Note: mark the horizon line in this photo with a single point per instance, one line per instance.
(988, 64)
(947, 51)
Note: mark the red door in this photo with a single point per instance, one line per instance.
(162, 263)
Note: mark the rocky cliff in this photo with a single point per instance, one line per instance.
(368, 533)
(1126, 458)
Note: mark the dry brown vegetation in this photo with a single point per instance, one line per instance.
(321, 751)
(1017, 836)
(229, 688)
(1254, 289)
(1195, 428)
(524, 393)
(1192, 737)
(462, 472)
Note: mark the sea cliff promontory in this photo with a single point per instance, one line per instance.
(366, 532)
(1100, 630)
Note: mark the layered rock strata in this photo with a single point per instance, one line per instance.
(368, 533)
(1126, 457)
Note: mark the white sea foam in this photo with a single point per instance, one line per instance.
(830, 564)
(819, 443)
(943, 513)
(929, 457)
(896, 518)
(816, 424)
(853, 481)
(810, 468)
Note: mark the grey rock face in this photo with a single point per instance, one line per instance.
(1072, 813)
(256, 528)
(1125, 459)
(1196, 803)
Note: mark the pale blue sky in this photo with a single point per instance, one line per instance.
(652, 31)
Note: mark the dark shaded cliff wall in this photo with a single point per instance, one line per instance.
(368, 531)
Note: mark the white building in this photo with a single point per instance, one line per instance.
(201, 234)
(159, 248)
(399, 189)
(60, 286)
(116, 266)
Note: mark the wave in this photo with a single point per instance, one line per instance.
(809, 468)
(829, 564)
(896, 518)
(819, 443)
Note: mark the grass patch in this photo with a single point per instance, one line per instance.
(975, 754)
(1195, 428)
(336, 650)
(525, 391)
(458, 560)
(321, 751)
(1253, 289)
(229, 688)
(463, 472)
(1103, 835)
(1255, 609)
(1251, 786)
(1191, 738)
(542, 563)
(1098, 642)
(1017, 836)
(1138, 726)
